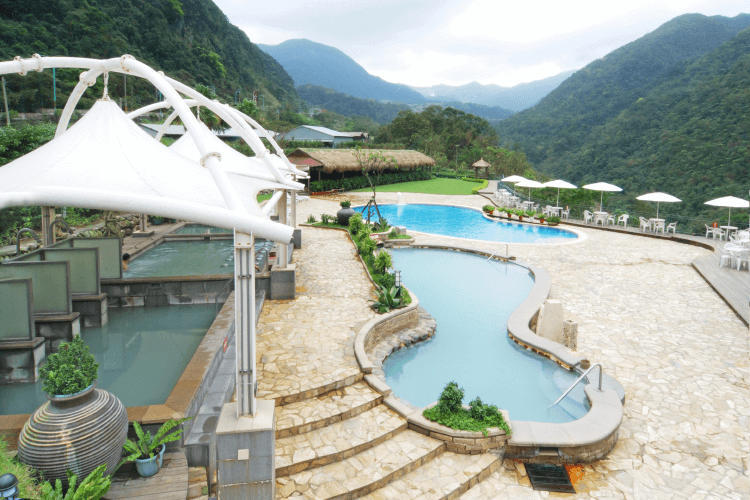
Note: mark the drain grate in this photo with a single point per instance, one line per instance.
(545, 477)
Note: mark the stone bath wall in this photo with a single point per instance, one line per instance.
(389, 326)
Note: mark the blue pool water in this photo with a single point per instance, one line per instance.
(141, 351)
(467, 223)
(201, 229)
(471, 299)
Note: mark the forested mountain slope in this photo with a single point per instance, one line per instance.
(191, 40)
(667, 112)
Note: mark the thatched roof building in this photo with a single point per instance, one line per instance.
(344, 160)
(481, 168)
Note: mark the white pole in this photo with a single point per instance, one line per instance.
(293, 195)
(283, 257)
(244, 321)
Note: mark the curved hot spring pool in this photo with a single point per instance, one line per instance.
(471, 299)
(467, 223)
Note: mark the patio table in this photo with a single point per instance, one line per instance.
(601, 216)
(555, 211)
(657, 224)
(728, 230)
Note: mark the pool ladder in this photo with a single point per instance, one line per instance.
(501, 247)
(579, 379)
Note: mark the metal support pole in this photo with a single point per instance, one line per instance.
(283, 257)
(5, 98)
(48, 236)
(143, 222)
(244, 321)
(293, 222)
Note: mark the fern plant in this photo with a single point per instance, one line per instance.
(146, 446)
(93, 487)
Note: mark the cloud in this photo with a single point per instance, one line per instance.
(427, 42)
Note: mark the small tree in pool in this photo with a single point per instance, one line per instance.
(373, 164)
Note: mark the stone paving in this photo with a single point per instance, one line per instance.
(294, 357)
(655, 325)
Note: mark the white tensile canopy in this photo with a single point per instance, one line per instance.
(658, 197)
(602, 186)
(559, 184)
(729, 202)
(106, 161)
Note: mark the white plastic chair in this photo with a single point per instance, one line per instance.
(610, 218)
(645, 224)
(658, 226)
(742, 258)
(624, 219)
(566, 213)
(673, 227)
(587, 216)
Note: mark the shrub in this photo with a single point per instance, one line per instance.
(488, 208)
(355, 223)
(451, 398)
(385, 280)
(381, 226)
(366, 246)
(326, 218)
(360, 182)
(70, 370)
(311, 219)
(479, 416)
(553, 218)
(345, 204)
(383, 261)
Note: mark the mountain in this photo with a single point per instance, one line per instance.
(516, 98)
(317, 64)
(347, 105)
(191, 40)
(667, 112)
(491, 113)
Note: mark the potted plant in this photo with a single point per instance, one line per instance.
(80, 427)
(519, 213)
(530, 214)
(553, 220)
(148, 452)
(157, 221)
(488, 209)
(345, 213)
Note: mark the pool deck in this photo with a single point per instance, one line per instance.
(643, 311)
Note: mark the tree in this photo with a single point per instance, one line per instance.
(373, 162)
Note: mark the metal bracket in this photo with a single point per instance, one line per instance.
(207, 155)
(39, 61)
(245, 372)
(23, 68)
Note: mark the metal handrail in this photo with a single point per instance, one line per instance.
(216, 299)
(60, 221)
(579, 379)
(507, 250)
(18, 238)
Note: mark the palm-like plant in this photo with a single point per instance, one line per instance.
(387, 299)
(146, 446)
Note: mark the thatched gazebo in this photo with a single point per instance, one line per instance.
(481, 169)
(331, 161)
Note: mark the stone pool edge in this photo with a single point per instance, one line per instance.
(586, 439)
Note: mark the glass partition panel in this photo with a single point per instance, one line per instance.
(84, 267)
(16, 314)
(50, 284)
(110, 254)
(35, 256)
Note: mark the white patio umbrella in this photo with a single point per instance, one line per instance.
(602, 186)
(559, 185)
(528, 183)
(730, 202)
(513, 179)
(658, 197)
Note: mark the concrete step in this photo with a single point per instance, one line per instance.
(445, 477)
(363, 473)
(335, 406)
(337, 441)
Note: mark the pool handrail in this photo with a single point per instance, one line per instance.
(507, 251)
(578, 380)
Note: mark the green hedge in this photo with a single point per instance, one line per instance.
(475, 190)
(361, 181)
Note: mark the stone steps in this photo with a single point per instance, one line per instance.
(337, 441)
(363, 473)
(500, 484)
(335, 406)
(445, 477)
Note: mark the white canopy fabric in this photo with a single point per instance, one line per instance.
(729, 202)
(232, 161)
(106, 162)
(514, 178)
(559, 184)
(529, 183)
(658, 197)
(602, 186)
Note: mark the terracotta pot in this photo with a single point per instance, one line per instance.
(344, 215)
(77, 432)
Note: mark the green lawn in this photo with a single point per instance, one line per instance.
(264, 197)
(433, 186)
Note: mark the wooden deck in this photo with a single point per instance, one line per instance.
(171, 483)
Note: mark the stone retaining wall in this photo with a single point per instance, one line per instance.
(465, 442)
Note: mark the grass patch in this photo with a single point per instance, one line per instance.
(27, 484)
(264, 197)
(395, 236)
(432, 186)
(478, 418)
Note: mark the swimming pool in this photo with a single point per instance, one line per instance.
(471, 299)
(462, 222)
(130, 350)
(191, 258)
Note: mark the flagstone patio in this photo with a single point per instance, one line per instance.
(643, 312)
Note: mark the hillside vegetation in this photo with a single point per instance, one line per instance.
(667, 112)
(347, 105)
(191, 40)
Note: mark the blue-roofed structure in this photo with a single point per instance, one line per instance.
(324, 135)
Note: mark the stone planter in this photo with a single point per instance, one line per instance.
(344, 215)
(77, 432)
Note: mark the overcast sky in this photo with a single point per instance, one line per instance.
(428, 42)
